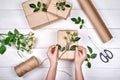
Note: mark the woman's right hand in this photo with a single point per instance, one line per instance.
(80, 56)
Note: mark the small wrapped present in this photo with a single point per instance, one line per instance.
(36, 13)
(60, 8)
(67, 43)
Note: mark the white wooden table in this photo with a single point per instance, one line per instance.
(12, 16)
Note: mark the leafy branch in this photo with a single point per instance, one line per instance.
(62, 6)
(38, 6)
(20, 41)
(90, 56)
(70, 38)
(79, 21)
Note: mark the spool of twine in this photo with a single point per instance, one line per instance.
(26, 66)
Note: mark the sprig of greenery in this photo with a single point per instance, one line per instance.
(38, 6)
(62, 5)
(70, 38)
(20, 41)
(79, 21)
(90, 56)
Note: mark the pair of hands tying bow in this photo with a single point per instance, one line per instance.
(80, 55)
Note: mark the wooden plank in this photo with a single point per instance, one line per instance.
(103, 4)
(17, 19)
(102, 74)
(9, 74)
(11, 59)
(43, 35)
(40, 74)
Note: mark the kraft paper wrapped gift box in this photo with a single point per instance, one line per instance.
(69, 55)
(52, 8)
(39, 18)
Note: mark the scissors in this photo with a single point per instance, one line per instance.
(105, 54)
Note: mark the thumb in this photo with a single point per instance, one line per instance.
(56, 50)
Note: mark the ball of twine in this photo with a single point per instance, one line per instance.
(26, 66)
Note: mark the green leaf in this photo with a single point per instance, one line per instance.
(2, 49)
(7, 40)
(44, 5)
(79, 18)
(62, 3)
(72, 48)
(68, 32)
(63, 48)
(32, 5)
(39, 4)
(73, 19)
(23, 44)
(81, 26)
(75, 34)
(18, 44)
(44, 9)
(77, 38)
(90, 49)
(65, 38)
(58, 8)
(57, 3)
(63, 8)
(93, 56)
(16, 31)
(86, 59)
(83, 21)
(67, 5)
(59, 46)
(88, 64)
(36, 9)
(10, 33)
(21, 36)
(88, 56)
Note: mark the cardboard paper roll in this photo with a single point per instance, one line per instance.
(96, 20)
(26, 66)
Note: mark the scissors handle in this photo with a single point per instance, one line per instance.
(103, 56)
(106, 54)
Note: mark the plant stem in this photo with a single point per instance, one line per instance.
(62, 54)
(19, 54)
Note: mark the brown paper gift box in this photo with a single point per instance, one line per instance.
(39, 18)
(69, 55)
(53, 9)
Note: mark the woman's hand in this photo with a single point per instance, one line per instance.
(53, 55)
(80, 56)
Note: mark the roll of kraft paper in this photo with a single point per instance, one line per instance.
(27, 66)
(96, 20)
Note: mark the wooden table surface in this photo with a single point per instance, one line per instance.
(12, 16)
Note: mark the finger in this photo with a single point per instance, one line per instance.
(76, 52)
(82, 50)
(50, 49)
(56, 50)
